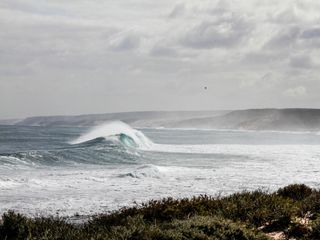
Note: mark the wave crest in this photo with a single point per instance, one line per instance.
(117, 130)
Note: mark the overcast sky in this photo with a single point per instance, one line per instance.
(95, 56)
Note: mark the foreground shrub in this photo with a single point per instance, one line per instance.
(246, 215)
(311, 203)
(255, 208)
(297, 230)
(295, 191)
(258, 209)
(197, 227)
(207, 227)
(14, 226)
(315, 230)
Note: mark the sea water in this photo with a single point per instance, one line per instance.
(73, 170)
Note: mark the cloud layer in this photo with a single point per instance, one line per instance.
(73, 57)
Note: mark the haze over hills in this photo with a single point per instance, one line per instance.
(252, 119)
(260, 119)
(136, 119)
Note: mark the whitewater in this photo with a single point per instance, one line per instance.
(71, 170)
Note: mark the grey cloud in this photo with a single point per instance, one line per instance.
(20, 71)
(177, 11)
(265, 58)
(287, 17)
(295, 92)
(303, 61)
(284, 38)
(126, 55)
(161, 51)
(267, 81)
(311, 33)
(222, 9)
(217, 34)
(68, 47)
(125, 43)
(42, 8)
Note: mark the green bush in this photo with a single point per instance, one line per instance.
(205, 227)
(257, 209)
(238, 216)
(197, 227)
(14, 226)
(297, 230)
(311, 203)
(296, 192)
(315, 230)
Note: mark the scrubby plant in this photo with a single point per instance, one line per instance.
(297, 230)
(14, 226)
(293, 210)
(311, 204)
(206, 227)
(296, 192)
(257, 209)
(315, 230)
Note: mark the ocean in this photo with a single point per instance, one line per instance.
(82, 171)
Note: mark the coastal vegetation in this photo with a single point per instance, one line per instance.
(292, 212)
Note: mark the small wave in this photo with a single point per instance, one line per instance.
(116, 130)
(91, 142)
(11, 160)
(7, 183)
(145, 171)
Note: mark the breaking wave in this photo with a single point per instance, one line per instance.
(144, 171)
(110, 143)
(116, 143)
(116, 131)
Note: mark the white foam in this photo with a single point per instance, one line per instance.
(281, 153)
(93, 189)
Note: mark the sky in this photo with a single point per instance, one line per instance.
(95, 56)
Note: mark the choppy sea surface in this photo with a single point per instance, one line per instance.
(67, 171)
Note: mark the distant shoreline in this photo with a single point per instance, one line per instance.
(283, 120)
